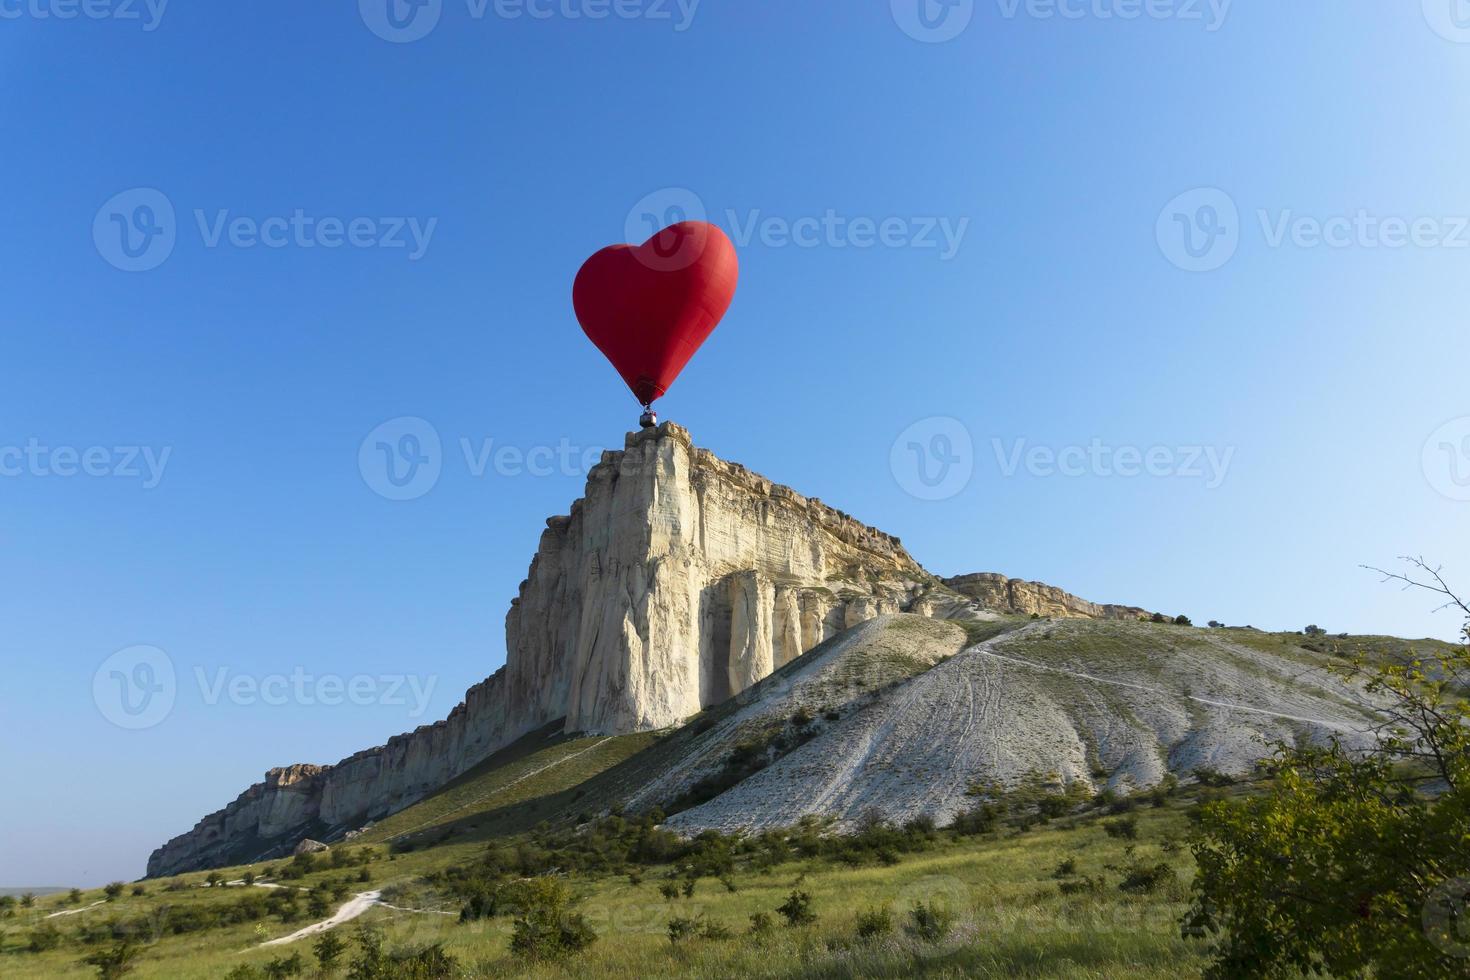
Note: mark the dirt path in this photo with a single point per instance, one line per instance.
(498, 790)
(351, 909)
(100, 901)
(1155, 690)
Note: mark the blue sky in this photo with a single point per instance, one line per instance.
(1056, 336)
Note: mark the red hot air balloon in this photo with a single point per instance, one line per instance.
(649, 307)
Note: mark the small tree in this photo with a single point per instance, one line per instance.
(74, 896)
(1182, 620)
(45, 936)
(1352, 864)
(114, 962)
(1315, 630)
(875, 922)
(112, 890)
(291, 966)
(930, 921)
(28, 900)
(329, 949)
(547, 928)
(370, 962)
(798, 909)
(213, 879)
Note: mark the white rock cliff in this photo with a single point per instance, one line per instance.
(677, 581)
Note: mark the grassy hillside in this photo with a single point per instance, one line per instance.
(1074, 896)
(1015, 915)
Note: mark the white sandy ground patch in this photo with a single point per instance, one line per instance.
(853, 670)
(100, 901)
(350, 909)
(1106, 704)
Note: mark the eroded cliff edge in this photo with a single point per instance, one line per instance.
(678, 580)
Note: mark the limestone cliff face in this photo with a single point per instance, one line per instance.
(1003, 594)
(676, 582)
(681, 579)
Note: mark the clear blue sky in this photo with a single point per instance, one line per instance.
(1062, 318)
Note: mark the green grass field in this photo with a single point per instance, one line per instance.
(1015, 916)
(1012, 918)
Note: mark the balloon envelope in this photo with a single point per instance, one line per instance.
(649, 307)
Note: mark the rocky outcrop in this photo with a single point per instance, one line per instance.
(1010, 595)
(678, 580)
(1104, 705)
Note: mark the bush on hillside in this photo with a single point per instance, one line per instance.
(547, 929)
(797, 909)
(874, 922)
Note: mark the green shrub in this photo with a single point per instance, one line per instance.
(761, 924)
(1211, 777)
(930, 921)
(485, 898)
(1142, 879)
(282, 967)
(547, 928)
(977, 820)
(798, 909)
(45, 936)
(1078, 886)
(875, 922)
(114, 962)
(328, 949)
(112, 890)
(1125, 828)
(682, 929)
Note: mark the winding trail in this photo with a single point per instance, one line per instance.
(1157, 690)
(351, 909)
(100, 901)
(434, 821)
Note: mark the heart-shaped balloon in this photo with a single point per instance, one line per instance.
(649, 307)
